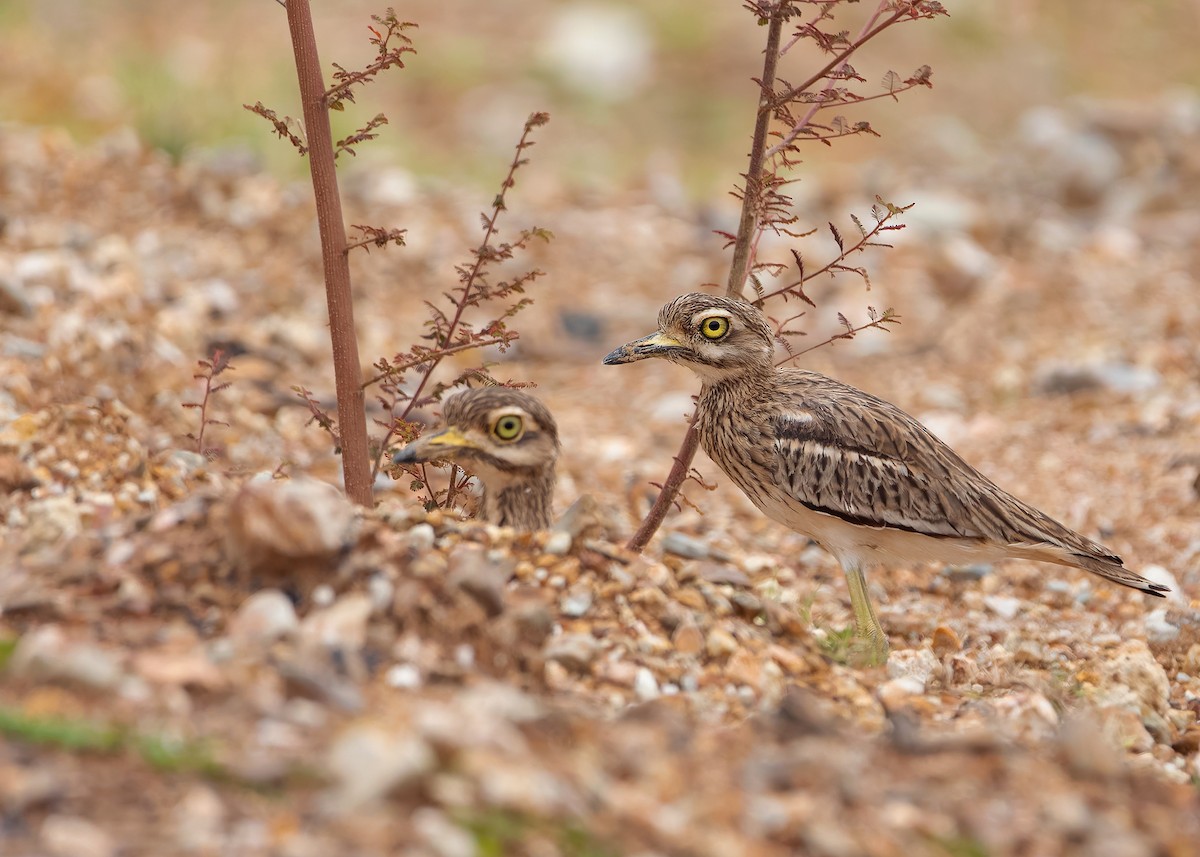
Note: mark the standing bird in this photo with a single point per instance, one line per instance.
(509, 441)
(853, 472)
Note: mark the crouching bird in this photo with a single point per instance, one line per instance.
(505, 438)
(853, 472)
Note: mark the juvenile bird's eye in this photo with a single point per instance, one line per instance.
(509, 427)
(714, 327)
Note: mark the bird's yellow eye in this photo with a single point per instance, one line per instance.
(509, 427)
(714, 327)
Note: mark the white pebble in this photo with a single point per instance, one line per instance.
(403, 677)
(558, 543)
(645, 685)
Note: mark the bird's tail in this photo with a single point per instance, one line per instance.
(1111, 568)
(1098, 562)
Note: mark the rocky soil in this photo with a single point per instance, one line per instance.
(223, 657)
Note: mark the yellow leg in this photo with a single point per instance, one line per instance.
(872, 643)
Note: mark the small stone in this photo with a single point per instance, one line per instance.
(263, 618)
(645, 685)
(917, 664)
(584, 514)
(72, 836)
(1085, 748)
(421, 537)
(199, 820)
(744, 669)
(558, 543)
(685, 546)
(484, 579)
(577, 601)
(14, 475)
(1027, 651)
(276, 525)
(1131, 678)
(747, 605)
(893, 693)
(341, 627)
(968, 573)
(722, 573)
(1159, 631)
(367, 762)
(1163, 577)
(13, 299)
(1003, 606)
(51, 521)
(573, 651)
(192, 669)
(1061, 379)
(790, 662)
(403, 677)
(688, 639)
(443, 837)
(428, 565)
(323, 595)
(692, 598)
(1124, 729)
(45, 654)
(720, 643)
(945, 641)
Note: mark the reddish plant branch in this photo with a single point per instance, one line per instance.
(351, 400)
(483, 255)
(752, 192)
(739, 268)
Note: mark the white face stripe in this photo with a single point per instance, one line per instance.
(711, 313)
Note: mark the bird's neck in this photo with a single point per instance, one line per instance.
(736, 379)
(524, 503)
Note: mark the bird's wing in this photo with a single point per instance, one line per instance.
(846, 453)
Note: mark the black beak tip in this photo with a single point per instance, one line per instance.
(614, 357)
(403, 456)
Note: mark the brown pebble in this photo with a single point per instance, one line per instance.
(692, 598)
(945, 641)
(688, 638)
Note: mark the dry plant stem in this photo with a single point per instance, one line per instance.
(488, 232)
(864, 36)
(670, 489)
(442, 352)
(747, 227)
(752, 194)
(351, 399)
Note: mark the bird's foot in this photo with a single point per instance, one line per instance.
(869, 648)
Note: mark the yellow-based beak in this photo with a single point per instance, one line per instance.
(433, 446)
(657, 344)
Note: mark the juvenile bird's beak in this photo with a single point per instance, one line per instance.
(433, 446)
(657, 344)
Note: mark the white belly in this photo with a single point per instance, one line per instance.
(857, 545)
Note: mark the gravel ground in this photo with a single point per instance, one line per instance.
(202, 657)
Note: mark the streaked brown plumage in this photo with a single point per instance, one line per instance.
(509, 441)
(855, 473)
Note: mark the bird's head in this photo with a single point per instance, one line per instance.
(497, 433)
(715, 336)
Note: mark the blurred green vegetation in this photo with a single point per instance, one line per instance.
(179, 73)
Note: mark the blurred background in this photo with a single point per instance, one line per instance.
(641, 93)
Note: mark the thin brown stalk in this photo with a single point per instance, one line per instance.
(739, 267)
(481, 257)
(752, 192)
(351, 399)
(436, 353)
(864, 36)
(670, 489)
